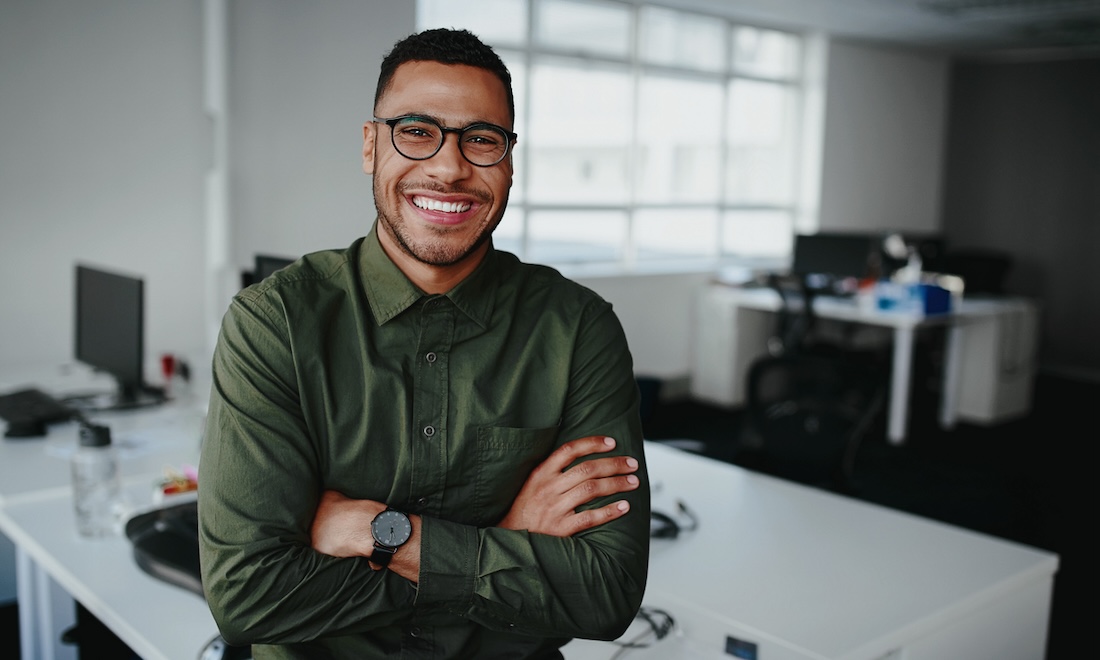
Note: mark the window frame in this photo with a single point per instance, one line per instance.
(523, 206)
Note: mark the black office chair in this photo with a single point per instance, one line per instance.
(808, 414)
(983, 271)
(796, 323)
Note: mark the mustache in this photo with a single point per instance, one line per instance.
(433, 186)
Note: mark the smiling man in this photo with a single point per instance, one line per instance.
(419, 446)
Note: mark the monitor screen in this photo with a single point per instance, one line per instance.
(833, 254)
(267, 264)
(110, 328)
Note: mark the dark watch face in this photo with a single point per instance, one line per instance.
(391, 528)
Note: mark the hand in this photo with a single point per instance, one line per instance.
(341, 527)
(549, 498)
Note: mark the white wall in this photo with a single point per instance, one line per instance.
(103, 150)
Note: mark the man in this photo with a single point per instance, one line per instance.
(419, 446)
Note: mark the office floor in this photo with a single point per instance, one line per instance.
(1027, 480)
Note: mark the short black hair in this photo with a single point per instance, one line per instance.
(445, 46)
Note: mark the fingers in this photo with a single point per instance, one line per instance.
(565, 455)
(588, 519)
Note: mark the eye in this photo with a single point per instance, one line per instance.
(484, 137)
(415, 128)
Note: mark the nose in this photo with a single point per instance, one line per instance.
(448, 164)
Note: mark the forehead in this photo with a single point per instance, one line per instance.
(453, 92)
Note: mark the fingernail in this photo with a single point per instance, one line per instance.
(632, 463)
(632, 480)
(624, 505)
(610, 442)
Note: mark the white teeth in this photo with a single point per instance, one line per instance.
(436, 205)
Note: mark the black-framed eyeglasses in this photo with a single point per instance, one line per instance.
(417, 137)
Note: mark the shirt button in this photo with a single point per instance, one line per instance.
(430, 357)
(415, 632)
(429, 431)
(423, 501)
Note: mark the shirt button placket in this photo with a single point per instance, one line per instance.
(430, 357)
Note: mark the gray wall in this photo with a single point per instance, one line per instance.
(301, 88)
(103, 147)
(1023, 177)
(885, 116)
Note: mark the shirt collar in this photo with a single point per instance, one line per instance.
(390, 293)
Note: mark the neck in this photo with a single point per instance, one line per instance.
(431, 279)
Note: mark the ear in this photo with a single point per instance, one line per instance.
(370, 131)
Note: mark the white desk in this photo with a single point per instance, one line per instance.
(800, 573)
(156, 620)
(808, 575)
(52, 563)
(734, 324)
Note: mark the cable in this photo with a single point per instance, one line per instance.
(663, 526)
(660, 624)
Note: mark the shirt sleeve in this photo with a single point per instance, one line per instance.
(589, 585)
(259, 488)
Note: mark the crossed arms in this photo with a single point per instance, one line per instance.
(547, 504)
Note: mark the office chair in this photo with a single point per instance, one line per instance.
(796, 321)
(983, 271)
(808, 414)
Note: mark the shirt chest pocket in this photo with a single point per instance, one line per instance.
(505, 458)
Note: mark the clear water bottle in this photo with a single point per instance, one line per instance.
(97, 487)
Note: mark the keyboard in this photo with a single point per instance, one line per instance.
(27, 411)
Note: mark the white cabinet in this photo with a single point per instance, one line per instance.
(997, 362)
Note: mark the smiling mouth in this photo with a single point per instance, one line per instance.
(429, 204)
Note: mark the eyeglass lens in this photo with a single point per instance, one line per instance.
(419, 138)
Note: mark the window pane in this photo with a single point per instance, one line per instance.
(592, 27)
(675, 233)
(765, 52)
(497, 22)
(508, 235)
(674, 38)
(679, 152)
(579, 152)
(576, 236)
(757, 233)
(761, 138)
(517, 66)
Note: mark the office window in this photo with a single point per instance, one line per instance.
(646, 133)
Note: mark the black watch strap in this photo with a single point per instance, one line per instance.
(382, 555)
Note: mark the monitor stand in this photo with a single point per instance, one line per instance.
(124, 398)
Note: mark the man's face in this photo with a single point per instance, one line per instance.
(441, 211)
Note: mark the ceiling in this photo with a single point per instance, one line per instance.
(974, 26)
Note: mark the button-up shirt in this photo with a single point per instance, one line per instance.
(338, 373)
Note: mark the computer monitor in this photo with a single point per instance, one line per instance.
(267, 264)
(110, 333)
(836, 255)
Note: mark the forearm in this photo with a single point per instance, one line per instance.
(263, 581)
(589, 585)
(260, 488)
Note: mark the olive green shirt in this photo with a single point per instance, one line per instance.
(338, 373)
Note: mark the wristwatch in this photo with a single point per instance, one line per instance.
(390, 529)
